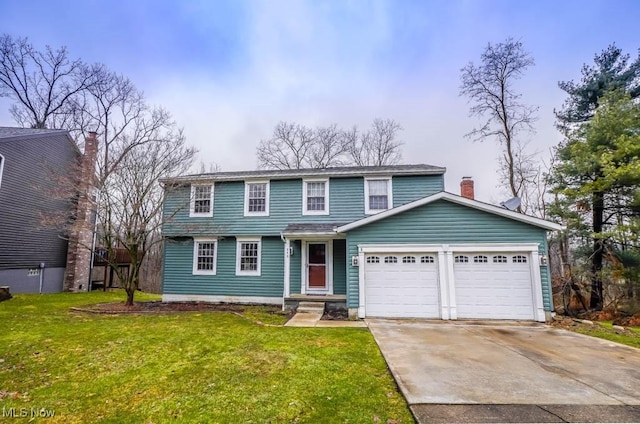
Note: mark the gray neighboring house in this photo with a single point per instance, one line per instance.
(29, 251)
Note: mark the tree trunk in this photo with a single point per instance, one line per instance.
(567, 274)
(130, 292)
(596, 301)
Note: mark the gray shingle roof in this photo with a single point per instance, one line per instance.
(343, 171)
(7, 133)
(304, 228)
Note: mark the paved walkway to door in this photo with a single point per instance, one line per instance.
(509, 372)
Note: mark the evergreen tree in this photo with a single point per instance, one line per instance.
(597, 172)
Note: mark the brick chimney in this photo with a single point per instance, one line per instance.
(76, 277)
(466, 188)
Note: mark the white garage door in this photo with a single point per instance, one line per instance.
(402, 286)
(493, 285)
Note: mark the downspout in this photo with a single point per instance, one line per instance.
(41, 276)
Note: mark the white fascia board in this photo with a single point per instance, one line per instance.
(399, 248)
(547, 225)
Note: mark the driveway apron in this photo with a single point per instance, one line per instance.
(506, 363)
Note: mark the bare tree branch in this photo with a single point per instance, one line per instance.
(295, 146)
(489, 88)
(41, 83)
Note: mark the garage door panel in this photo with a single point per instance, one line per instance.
(496, 289)
(402, 289)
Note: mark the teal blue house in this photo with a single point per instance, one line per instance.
(380, 241)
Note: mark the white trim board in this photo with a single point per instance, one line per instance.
(305, 196)
(196, 242)
(267, 197)
(443, 195)
(247, 239)
(192, 200)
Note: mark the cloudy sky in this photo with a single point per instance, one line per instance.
(230, 70)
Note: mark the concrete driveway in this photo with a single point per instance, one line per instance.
(509, 372)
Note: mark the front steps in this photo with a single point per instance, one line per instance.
(308, 314)
(311, 308)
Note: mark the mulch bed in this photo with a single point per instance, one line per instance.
(335, 316)
(157, 307)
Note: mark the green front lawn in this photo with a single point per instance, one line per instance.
(604, 330)
(186, 367)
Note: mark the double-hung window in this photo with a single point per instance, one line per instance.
(201, 200)
(205, 253)
(377, 195)
(248, 254)
(315, 197)
(256, 198)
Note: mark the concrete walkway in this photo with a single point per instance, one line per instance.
(308, 319)
(508, 372)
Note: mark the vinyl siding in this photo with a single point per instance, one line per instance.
(339, 266)
(346, 204)
(409, 188)
(444, 222)
(295, 275)
(32, 165)
(179, 278)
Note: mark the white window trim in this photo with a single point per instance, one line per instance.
(239, 241)
(198, 240)
(1, 168)
(305, 211)
(368, 211)
(266, 200)
(192, 202)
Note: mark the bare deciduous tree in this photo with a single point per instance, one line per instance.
(130, 200)
(295, 146)
(376, 147)
(328, 149)
(138, 144)
(289, 147)
(489, 88)
(41, 83)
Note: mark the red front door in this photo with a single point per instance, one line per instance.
(317, 266)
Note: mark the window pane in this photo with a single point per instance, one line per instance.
(202, 199)
(315, 196)
(378, 202)
(248, 256)
(315, 203)
(206, 255)
(257, 197)
(378, 194)
(377, 187)
(315, 189)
